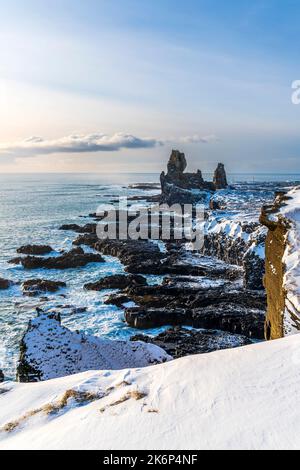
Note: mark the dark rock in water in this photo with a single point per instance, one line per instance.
(119, 215)
(1, 376)
(73, 259)
(77, 310)
(4, 283)
(220, 179)
(35, 249)
(144, 186)
(232, 318)
(16, 260)
(214, 205)
(118, 281)
(179, 342)
(119, 300)
(88, 239)
(71, 309)
(130, 251)
(33, 287)
(88, 228)
(146, 198)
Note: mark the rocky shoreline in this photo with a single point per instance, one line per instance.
(205, 301)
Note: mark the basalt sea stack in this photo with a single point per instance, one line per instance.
(188, 188)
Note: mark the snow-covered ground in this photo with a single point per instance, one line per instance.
(245, 398)
(289, 213)
(291, 260)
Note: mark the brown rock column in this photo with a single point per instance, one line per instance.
(220, 179)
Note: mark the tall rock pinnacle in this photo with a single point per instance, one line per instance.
(220, 179)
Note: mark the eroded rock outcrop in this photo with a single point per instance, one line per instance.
(49, 350)
(282, 278)
(220, 178)
(178, 187)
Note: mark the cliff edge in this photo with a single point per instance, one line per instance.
(282, 278)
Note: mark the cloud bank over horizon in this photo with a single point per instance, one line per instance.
(89, 143)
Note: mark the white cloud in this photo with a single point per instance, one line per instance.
(76, 143)
(197, 139)
(90, 143)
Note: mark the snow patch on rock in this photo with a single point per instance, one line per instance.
(50, 350)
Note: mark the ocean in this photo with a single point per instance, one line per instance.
(32, 209)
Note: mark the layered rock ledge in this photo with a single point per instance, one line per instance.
(282, 278)
(179, 342)
(73, 259)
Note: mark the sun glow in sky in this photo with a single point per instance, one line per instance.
(113, 85)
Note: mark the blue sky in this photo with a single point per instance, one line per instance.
(212, 78)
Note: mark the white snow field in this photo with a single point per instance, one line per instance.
(291, 260)
(244, 398)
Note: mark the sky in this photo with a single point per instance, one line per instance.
(114, 85)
